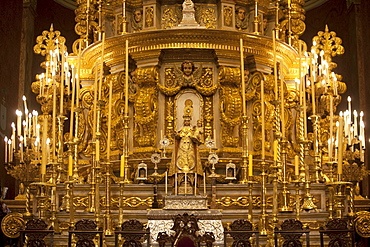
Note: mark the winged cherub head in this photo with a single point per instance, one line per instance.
(187, 67)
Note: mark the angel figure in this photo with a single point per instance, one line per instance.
(189, 76)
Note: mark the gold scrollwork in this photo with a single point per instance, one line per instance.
(208, 17)
(11, 225)
(145, 104)
(230, 105)
(228, 16)
(149, 17)
(170, 18)
(362, 224)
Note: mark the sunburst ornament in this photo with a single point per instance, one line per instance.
(210, 143)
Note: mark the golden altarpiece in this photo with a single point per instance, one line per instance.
(214, 108)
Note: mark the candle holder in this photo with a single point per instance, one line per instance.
(120, 206)
(164, 142)
(244, 166)
(316, 147)
(297, 182)
(285, 194)
(108, 229)
(264, 217)
(251, 182)
(339, 197)
(156, 158)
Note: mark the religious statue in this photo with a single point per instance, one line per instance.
(186, 157)
(188, 5)
(188, 15)
(241, 19)
(137, 20)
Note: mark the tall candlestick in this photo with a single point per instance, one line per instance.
(282, 113)
(71, 121)
(263, 119)
(242, 75)
(340, 145)
(126, 79)
(62, 79)
(275, 64)
(109, 119)
(78, 75)
(95, 101)
(101, 66)
(250, 166)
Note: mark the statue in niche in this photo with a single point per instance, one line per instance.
(137, 20)
(186, 157)
(241, 19)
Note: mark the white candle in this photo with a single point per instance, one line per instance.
(29, 128)
(355, 127)
(250, 166)
(349, 109)
(340, 146)
(336, 141)
(175, 184)
(19, 122)
(13, 135)
(6, 149)
(186, 182)
(195, 184)
(10, 150)
(21, 148)
(43, 146)
(256, 9)
(296, 165)
(166, 183)
(204, 184)
(25, 132)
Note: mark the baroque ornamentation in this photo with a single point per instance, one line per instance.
(230, 105)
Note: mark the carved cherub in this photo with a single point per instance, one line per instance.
(188, 76)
